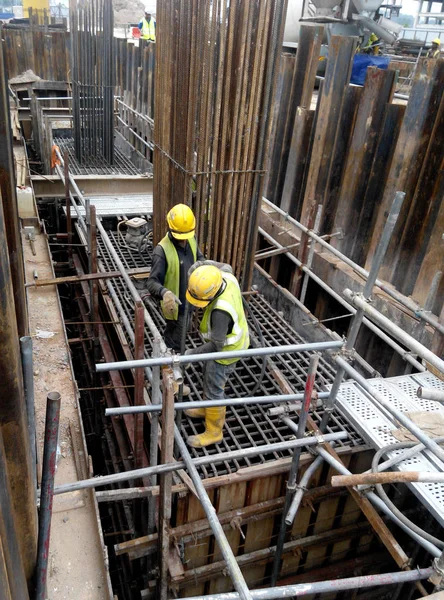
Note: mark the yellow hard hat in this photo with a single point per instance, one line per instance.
(181, 222)
(203, 285)
(437, 41)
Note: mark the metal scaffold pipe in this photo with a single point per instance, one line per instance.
(204, 460)
(112, 412)
(374, 328)
(402, 336)
(237, 578)
(193, 358)
(325, 587)
(430, 394)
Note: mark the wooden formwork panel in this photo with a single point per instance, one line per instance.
(323, 512)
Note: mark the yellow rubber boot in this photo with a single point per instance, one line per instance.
(214, 424)
(196, 413)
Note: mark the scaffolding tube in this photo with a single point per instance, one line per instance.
(374, 328)
(402, 336)
(301, 488)
(203, 460)
(325, 587)
(430, 394)
(387, 477)
(131, 410)
(410, 304)
(178, 359)
(237, 578)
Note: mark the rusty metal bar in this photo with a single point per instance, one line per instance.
(93, 285)
(387, 477)
(47, 491)
(68, 204)
(139, 376)
(165, 499)
(86, 277)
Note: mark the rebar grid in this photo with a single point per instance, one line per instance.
(248, 425)
(95, 165)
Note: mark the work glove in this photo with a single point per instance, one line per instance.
(169, 303)
(212, 263)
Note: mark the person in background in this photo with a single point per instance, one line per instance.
(435, 50)
(224, 327)
(147, 27)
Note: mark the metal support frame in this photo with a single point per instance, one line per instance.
(294, 468)
(156, 408)
(407, 302)
(204, 460)
(193, 358)
(325, 587)
(357, 320)
(139, 375)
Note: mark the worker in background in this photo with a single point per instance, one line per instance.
(223, 327)
(147, 27)
(435, 50)
(171, 261)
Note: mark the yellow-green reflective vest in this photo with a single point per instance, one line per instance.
(148, 30)
(229, 301)
(434, 54)
(172, 274)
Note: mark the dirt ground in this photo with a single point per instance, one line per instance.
(77, 556)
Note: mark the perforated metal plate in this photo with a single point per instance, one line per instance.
(376, 424)
(118, 206)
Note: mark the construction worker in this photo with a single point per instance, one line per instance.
(435, 50)
(223, 327)
(171, 261)
(147, 27)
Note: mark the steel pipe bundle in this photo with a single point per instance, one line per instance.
(215, 76)
(93, 74)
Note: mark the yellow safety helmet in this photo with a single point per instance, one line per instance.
(436, 41)
(181, 222)
(203, 285)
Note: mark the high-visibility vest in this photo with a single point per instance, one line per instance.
(435, 54)
(148, 30)
(172, 274)
(229, 301)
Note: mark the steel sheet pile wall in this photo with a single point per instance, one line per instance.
(355, 150)
(44, 52)
(93, 76)
(215, 74)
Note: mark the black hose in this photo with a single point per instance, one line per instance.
(379, 488)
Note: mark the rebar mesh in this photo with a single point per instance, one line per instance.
(245, 426)
(96, 165)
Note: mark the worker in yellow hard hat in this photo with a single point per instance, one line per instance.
(223, 327)
(171, 261)
(435, 50)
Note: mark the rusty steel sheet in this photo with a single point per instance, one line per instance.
(330, 109)
(410, 153)
(376, 96)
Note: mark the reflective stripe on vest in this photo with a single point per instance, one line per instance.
(172, 273)
(229, 301)
(148, 30)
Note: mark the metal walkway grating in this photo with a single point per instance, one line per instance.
(249, 425)
(376, 425)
